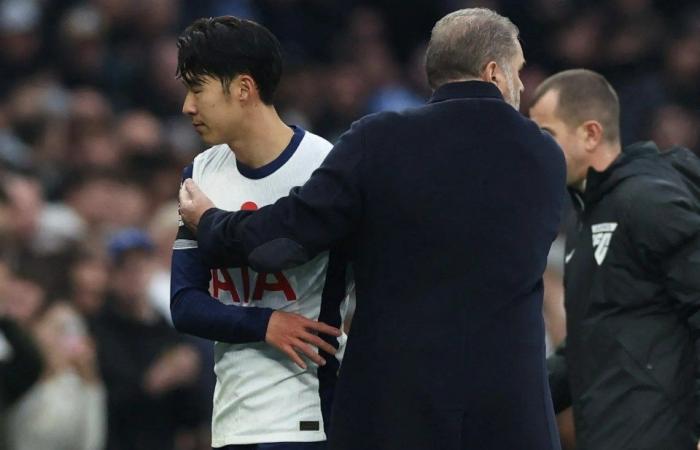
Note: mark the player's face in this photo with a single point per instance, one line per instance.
(544, 113)
(214, 111)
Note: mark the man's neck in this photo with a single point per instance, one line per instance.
(264, 138)
(605, 155)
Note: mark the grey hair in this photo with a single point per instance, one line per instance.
(463, 42)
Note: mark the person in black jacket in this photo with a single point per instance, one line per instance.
(632, 277)
(449, 210)
(20, 366)
(149, 371)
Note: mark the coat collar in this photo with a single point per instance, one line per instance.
(635, 159)
(465, 89)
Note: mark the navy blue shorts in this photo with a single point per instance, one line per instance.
(278, 446)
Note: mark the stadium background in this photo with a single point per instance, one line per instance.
(92, 142)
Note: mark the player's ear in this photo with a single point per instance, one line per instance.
(247, 87)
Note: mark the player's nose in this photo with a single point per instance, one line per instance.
(188, 106)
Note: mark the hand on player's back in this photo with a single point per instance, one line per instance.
(294, 334)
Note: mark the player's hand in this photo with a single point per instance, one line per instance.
(193, 203)
(698, 445)
(294, 334)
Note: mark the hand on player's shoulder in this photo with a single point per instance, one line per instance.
(193, 203)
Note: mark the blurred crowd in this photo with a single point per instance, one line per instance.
(92, 144)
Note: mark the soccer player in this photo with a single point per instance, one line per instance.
(268, 395)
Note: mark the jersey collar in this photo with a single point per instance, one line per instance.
(269, 168)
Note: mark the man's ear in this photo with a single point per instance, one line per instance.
(247, 86)
(491, 74)
(592, 132)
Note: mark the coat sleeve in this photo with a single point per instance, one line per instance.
(294, 229)
(559, 379)
(665, 224)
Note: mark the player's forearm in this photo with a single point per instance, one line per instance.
(196, 313)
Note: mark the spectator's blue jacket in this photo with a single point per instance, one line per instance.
(450, 210)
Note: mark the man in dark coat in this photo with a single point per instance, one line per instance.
(449, 211)
(632, 278)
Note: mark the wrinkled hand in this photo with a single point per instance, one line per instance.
(294, 334)
(193, 203)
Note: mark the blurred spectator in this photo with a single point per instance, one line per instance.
(20, 368)
(161, 92)
(634, 38)
(155, 18)
(389, 93)
(84, 53)
(106, 201)
(20, 42)
(683, 69)
(345, 100)
(139, 134)
(88, 281)
(163, 229)
(674, 125)
(20, 360)
(35, 239)
(149, 372)
(577, 42)
(66, 410)
(89, 195)
(23, 301)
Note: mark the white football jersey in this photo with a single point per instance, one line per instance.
(261, 395)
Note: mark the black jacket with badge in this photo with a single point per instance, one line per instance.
(632, 287)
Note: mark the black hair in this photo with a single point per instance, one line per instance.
(224, 47)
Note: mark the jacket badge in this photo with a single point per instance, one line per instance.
(602, 234)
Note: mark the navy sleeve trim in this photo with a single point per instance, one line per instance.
(187, 172)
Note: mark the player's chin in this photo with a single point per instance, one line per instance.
(206, 136)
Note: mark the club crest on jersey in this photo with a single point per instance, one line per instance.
(602, 234)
